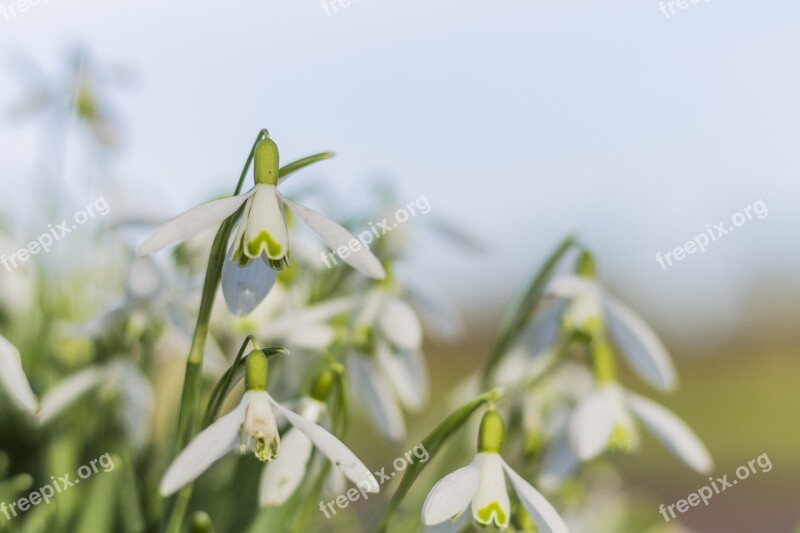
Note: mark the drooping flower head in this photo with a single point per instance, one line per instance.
(252, 426)
(260, 242)
(481, 485)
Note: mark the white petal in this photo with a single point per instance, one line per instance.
(333, 448)
(282, 476)
(558, 464)
(451, 495)
(640, 345)
(592, 422)
(539, 509)
(335, 236)
(137, 400)
(375, 397)
(207, 447)
(491, 504)
(408, 374)
(459, 525)
(67, 391)
(400, 324)
(571, 286)
(314, 337)
(438, 315)
(265, 228)
(309, 317)
(246, 287)
(13, 378)
(673, 432)
(192, 222)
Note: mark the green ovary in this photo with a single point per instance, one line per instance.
(274, 250)
(492, 510)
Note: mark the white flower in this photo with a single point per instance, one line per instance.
(252, 426)
(13, 379)
(387, 368)
(638, 344)
(482, 485)
(282, 476)
(260, 238)
(605, 419)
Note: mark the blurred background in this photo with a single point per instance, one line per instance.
(635, 124)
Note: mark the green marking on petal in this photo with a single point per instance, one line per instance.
(621, 440)
(264, 240)
(493, 511)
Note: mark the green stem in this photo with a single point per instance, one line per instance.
(520, 311)
(190, 398)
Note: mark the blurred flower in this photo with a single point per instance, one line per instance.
(482, 485)
(13, 379)
(118, 379)
(252, 424)
(590, 309)
(602, 421)
(386, 367)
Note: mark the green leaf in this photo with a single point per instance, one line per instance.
(519, 312)
(432, 444)
(291, 168)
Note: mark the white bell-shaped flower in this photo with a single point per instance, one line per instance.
(252, 426)
(481, 486)
(260, 234)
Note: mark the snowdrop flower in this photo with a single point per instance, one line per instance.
(387, 368)
(252, 426)
(261, 239)
(590, 310)
(481, 485)
(282, 476)
(13, 379)
(119, 378)
(604, 420)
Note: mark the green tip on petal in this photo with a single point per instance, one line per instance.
(257, 371)
(322, 386)
(493, 511)
(490, 435)
(267, 162)
(587, 268)
(264, 240)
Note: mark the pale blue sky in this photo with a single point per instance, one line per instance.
(521, 119)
